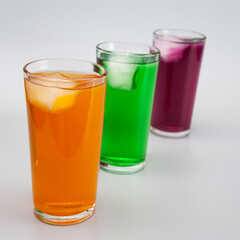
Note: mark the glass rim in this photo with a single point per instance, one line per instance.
(165, 32)
(90, 79)
(155, 53)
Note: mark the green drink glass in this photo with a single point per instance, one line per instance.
(132, 72)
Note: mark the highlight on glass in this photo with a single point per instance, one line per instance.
(179, 67)
(65, 105)
(132, 71)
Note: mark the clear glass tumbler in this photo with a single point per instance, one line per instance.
(131, 82)
(180, 60)
(65, 106)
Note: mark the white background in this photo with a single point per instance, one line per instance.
(190, 188)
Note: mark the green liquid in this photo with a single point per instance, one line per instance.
(128, 108)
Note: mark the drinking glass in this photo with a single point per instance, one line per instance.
(179, 66)
(65, 106)
(131, 82)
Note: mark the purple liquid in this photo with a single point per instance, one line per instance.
(176, 85)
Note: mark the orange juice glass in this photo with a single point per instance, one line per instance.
(65, 106)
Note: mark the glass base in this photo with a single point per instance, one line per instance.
(122, 169)
(169, 134)
(65, 220)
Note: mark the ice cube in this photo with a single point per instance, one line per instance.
(120, 75)
(45, 97)
(170, 51)
(67, 80)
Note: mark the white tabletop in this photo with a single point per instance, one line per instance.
(190, 188)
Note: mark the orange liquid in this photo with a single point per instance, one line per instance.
(65, 141)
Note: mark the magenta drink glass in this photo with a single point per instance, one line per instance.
(180, 60)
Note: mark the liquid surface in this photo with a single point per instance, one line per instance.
(176, 86)
(65, 129)
(129, 99)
